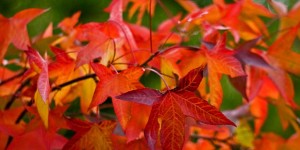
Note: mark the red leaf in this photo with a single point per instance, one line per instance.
(172, 123)
(40, 65)
(240, 83)
(143, 96)
(94, 49)
(152, 127)
(192, 80)
(169, 111)
(200, 109)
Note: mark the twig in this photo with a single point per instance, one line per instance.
(13, 77)
(160, 75)
(58, 87)
(16, 94)
(20, 117)
(150, 26)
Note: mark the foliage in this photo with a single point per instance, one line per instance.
(209, 76)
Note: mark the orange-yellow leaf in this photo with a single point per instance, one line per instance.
(91, 136)
(42, 107)
(283, 54)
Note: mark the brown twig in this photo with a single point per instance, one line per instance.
(13, 77)
(58, 87)
(16, 94)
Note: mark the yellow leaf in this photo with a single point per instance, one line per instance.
(244, 134)
(88, 89)
(42, 108)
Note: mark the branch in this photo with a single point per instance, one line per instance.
(16, 94)
(13, 77)
(73, 81)
(214, 139)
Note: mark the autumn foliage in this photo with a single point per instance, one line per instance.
(123, 84)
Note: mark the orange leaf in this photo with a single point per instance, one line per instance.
(111, 85)
(114, 84)
(68, 24)
(14, 30)
(283, 54)
(90, 136)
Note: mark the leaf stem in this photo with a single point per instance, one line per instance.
(150, 26)
(160, 75)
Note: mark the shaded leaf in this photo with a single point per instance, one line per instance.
(91, 136)
(143, 96)
(245, 55)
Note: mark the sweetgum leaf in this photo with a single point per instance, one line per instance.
(143, 96)
(41, 66)
(91, 136)
(14, 30)
(167, 117)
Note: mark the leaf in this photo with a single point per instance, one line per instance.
(188, 5)
(87, 92)
(245, 55)
(267, 141)
(284, 84)
(116, 17)
(62, 67)
(259, 109)
(41, 66)
(243, 17)
(42, 107)
(200, 109)
(68, 24)
(225, 64)
(111, 85)
(279, 7)
(141, 6)
(291, 19)
(37, 138)
(94, 49)
(240, 83)
(125, 81)
(169, 111)
(143, 96)
(120, 142)
(172, 123)
(7, 121)
(282, 53)
(244, 133)
(292, 142)
(14, 30)
(91, 136)
(192, 80)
